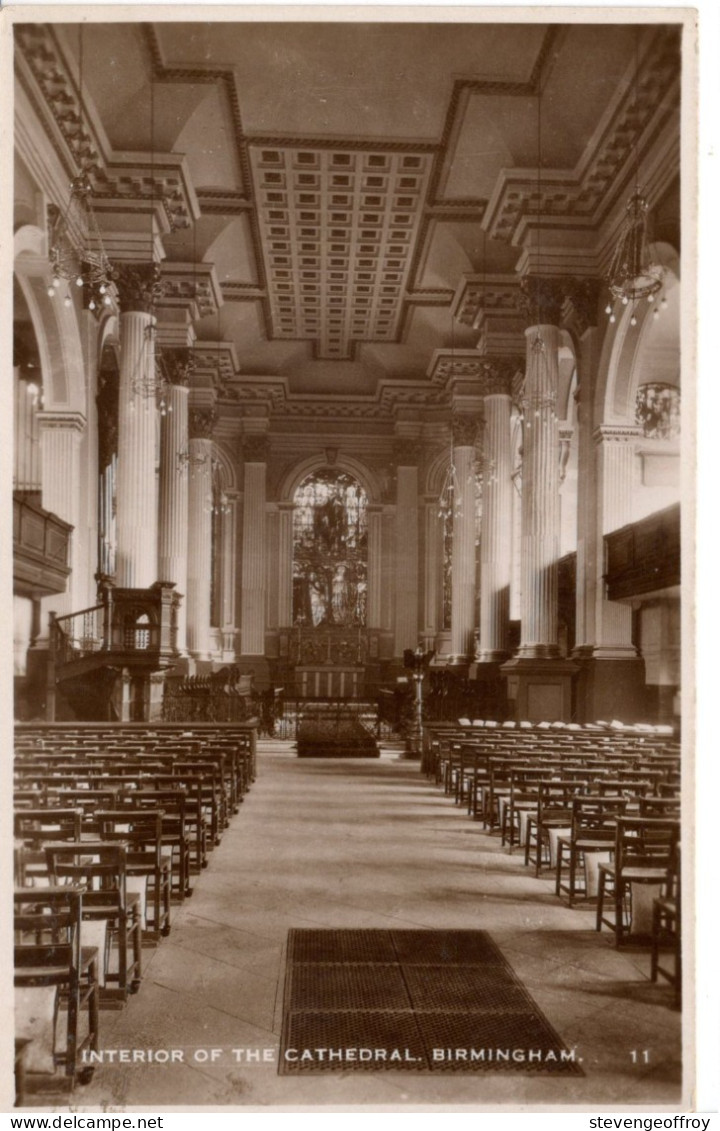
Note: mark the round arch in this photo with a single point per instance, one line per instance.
(367, 479)
(636, 353)
(226, 467)
(55, 325)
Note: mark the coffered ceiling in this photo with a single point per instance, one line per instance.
(323, 189)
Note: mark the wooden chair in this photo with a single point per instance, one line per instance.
(48, 953)
(592, 834)
(667, 928)
(643, 850)
(102, 870)
(175, 840)
(141, 831)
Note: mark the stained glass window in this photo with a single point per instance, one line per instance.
(657, 409)
(330, 550)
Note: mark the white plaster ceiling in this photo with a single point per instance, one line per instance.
(438, 114)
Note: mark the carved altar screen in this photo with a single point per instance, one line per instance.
(330, 550)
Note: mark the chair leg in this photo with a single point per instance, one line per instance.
(600, 900)
(619, 925)
(655, 945)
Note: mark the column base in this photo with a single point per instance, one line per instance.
(489, 686)
(610, 687)
(539, 690)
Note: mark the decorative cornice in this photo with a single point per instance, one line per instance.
(617, 433)
(447, 365)
(139, 286)
(583, 196)
(476, 295)
(61, 421)
(201, 422)
(192, 286)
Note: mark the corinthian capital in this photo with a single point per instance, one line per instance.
(179, 365)
(256, 449)
(201, 422)
(498, 374)
(464, 430)
(139, 286)
(540, 300)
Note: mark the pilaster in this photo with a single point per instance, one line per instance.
(408, 453)
(174, 482)
(462, 625)
(61, 435)
(199, 545)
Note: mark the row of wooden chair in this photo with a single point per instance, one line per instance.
(106, 837)
(602, 813)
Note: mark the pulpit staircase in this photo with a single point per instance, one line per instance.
(102, 658)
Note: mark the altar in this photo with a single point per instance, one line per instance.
(329, 662)
(329, 682)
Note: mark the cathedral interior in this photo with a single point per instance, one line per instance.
(346, 386)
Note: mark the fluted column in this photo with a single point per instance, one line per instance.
(228, 561)
(615, 459)
(496, 528)
(60, 440)
(285, 556)
(540, 498)
(137, 510)
(199, 545)
(174, 479)
(407, 455)
(375, 547)
(462, 623)
(254, 564)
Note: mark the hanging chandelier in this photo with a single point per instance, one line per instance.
(633, 276)
(149, 381)
(76, 251)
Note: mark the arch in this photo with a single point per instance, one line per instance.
(56, 326)
(436, 473)
(367, 479)
(625, 350)
(226, 468)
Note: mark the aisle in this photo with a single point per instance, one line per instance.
(369, 843)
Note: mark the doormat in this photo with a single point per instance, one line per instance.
(414, 1001)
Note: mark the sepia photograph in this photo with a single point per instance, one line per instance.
(352, 443)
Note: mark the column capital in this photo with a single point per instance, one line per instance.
(540, 299)
(179, 365)
(201, 422)
(498, 374)
(583, 303)
(407, 452)
(255, 448)
(464, 429)
(139, 286)
(617, 433)
(72, 421)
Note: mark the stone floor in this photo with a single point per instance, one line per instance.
(371, 843)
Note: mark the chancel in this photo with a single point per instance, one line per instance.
(347, 442)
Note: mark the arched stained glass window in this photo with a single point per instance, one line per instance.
(330, 550)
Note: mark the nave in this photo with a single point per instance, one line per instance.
(374, 844)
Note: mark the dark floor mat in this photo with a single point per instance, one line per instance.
(412, 1001)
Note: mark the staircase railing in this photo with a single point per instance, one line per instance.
(79, 634)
